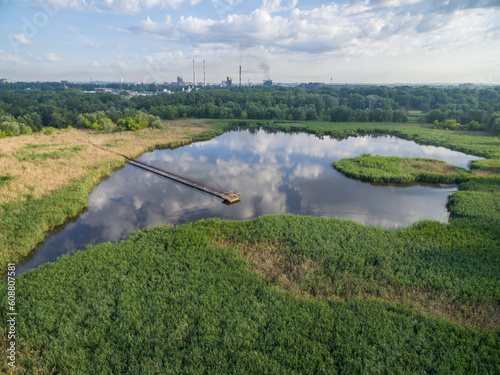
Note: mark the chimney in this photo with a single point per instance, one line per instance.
(240, 75)
(194, 73)
(204, 74)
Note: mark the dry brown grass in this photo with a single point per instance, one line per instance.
(479, 172)
(430, 166)
(306, 281)
(43, 163)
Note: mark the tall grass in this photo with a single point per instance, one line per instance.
(60, 153)
(25, 222)
(400, 169)
(167, 301)
(279, 294)
(490, 166)
(43, 164)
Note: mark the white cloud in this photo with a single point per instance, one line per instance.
(4, 56)
(307, 171)
(369, 39)
(116, 6)
(21, 38)
(52, 57)
(393, 3)
(273, 6)
(169, 58)
(379, 27)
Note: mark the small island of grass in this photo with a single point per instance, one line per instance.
(393, 169)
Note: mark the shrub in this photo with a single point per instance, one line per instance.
(473, 125)
(110, 127)
(49, 130)
(10, 126)
(25, 129)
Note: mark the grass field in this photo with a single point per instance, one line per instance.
(45, 179)
(279, 294)
(393, 169)
(415, 116)
(41, 164)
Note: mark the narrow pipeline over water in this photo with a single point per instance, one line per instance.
(275, 172)
(227, 197)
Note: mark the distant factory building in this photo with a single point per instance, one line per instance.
(180, 81)
(229, 81)
(4, 80)
(312, 85)
(268, 82)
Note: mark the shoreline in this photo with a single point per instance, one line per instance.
(28, 221)
(21, 245)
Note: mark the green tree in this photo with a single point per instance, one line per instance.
(473, 125)
(495, 127)
(356, 101)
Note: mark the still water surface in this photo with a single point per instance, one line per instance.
(275, 172)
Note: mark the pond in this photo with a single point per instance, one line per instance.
(276, 173)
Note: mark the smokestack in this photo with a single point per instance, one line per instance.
(194, 73)
(240, 75)
(204, 74)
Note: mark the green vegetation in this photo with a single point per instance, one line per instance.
(9, 126)
(454, 125)
(415, 116)
(23, 224)
(46, 105)
(400, 170)
(31, 146)
(478, 200)
(60, 153)
(172, 300)
(114, 142)
(489, 166)
(5, 179)
(99, 121)
(279, 294)
(484, 184)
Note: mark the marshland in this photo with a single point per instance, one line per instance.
(334, 260)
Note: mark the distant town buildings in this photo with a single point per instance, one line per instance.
(5, 80)
(228, 82)
(180, 81)
(126, 92)
(312, 85)
(467, 85)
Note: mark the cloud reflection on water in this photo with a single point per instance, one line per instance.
(276, 173)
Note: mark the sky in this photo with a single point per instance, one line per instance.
(343, 41)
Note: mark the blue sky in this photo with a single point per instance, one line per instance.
(350, 41)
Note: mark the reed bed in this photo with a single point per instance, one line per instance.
(404, 170)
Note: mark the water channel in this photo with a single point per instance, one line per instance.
(275, 172)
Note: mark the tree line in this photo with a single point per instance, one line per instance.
(30, 107)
